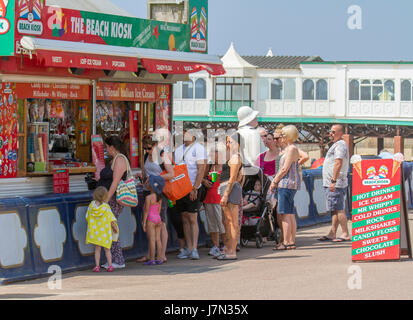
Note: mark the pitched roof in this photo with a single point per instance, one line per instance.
(280, 62)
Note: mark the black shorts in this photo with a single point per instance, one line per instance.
(186, 205)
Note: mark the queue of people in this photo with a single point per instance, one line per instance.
(218, 187)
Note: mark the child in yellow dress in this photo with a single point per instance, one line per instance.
(101, 227)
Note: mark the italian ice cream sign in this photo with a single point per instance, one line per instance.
(377, 208)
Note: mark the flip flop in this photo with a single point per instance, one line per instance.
(340, 239)
(325, 238)
(225, 257)
(142, 259)
(282, 246)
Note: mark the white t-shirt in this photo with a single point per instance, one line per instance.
(338, 150)
(196, 152)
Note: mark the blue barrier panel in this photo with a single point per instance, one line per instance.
(16, 256)
(76, 204)
(52, 239)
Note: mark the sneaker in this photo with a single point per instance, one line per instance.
(118, 266)
(184, 254)
(105, 265)
(194, 254)
(214, 251)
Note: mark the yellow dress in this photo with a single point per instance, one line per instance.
(99, 230)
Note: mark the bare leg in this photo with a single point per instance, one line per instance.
(108, 256)
(187, 230)
(342, 220)
(193, 221)
(164, 239)
(151, 240)
(158, 241)
(215, 238)
(97, 255)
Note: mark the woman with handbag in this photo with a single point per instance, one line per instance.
(155, 162)
(114, 173)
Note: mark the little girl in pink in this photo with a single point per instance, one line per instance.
(152, 219)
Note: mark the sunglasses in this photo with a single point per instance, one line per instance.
(147, 148)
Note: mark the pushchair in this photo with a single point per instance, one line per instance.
(260, 222)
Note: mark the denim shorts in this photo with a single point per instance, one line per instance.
(335, 200)
(286, 200)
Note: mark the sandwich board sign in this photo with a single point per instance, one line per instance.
(380, 229)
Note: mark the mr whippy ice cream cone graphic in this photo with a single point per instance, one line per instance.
(398, 158)
(356, 162)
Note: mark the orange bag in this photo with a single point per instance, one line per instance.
(180, 185)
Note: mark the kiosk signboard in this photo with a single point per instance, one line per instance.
(377, 210)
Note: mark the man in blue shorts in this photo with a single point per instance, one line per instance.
(335, 182)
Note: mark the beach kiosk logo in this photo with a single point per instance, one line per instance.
(198, 22)
(374, 180)
(30, 16)
(4, 23)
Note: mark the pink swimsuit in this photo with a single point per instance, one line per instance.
(153, 215)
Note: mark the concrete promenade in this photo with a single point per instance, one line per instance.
(315, 270)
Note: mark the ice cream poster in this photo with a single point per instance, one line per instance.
(376, 208)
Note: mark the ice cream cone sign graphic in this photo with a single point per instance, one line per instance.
(398, 158)
(3, 8)
(356, 162)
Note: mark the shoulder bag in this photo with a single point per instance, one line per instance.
(180, 185)
(126, 194)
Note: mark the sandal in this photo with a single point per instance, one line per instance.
(150, 263)
(281, 246)
(96, 269)
(110, 269)
(159, 261)
(291, 246)
(225, 257)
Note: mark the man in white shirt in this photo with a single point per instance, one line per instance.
(194, 156)
(250, 133)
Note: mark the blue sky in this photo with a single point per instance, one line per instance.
(307, 27)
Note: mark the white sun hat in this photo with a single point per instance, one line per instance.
(246, 115)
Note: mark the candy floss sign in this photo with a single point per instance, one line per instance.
(376, 209)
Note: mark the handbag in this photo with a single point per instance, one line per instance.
(126, 194)
(180, 185)
(202, 191)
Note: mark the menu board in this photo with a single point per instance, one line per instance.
(377, 210)
(61, 181)
(8, 131)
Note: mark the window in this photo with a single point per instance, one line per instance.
(365, 90)
(372, 90)
(289, 89)
(187, 90)
(308, 90)
(388, 93)
(276, 89)
(377, 89)
(321, 90)
(354, 90)
(406, 90)
(231, 93)
(200, 89)
(263, 89)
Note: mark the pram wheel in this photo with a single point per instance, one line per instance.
(244, 242)
(258, 242)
